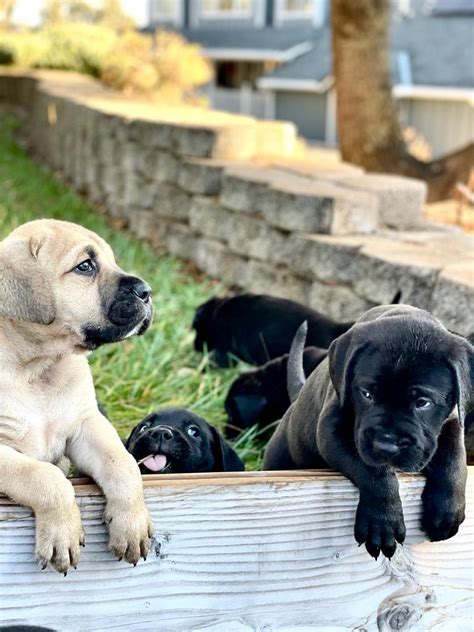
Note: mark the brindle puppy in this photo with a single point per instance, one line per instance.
(392, 395)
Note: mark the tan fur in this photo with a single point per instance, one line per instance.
(48, 407)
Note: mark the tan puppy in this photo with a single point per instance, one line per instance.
(62, 295)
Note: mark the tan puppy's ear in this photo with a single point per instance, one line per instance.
(25, 294)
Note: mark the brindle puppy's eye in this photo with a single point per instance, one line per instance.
(86, 267)
(367, 395)
(423, 403)
(193, 431)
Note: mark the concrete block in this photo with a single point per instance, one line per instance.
(338, 302)
(387, 266)
(180, 240)
(209, 219)
(266, 278)
(399, 200)
(318, 207)
(171, 202)
(226, 142)
(326, 258)
(242, 187)
(214, 258)
(201, 176)
(453, 297)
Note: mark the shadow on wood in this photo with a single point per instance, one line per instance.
(242, 552)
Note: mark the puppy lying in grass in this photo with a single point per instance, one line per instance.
(61, 296)
(393, 395)
(175, 440)
(258, 328)
(261, 395)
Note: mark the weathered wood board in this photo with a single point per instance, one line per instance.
(240, 552)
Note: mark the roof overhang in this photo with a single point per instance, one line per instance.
(434, 93)
(250, 54)
(296, 85)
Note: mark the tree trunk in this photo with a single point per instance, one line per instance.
(370, 134)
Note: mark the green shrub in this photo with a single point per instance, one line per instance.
(7, 56)
(27, 48)
(76, 46)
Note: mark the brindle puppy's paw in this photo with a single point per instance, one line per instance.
(59, 535)
(443, 511)
(379, 525)
(130, 530)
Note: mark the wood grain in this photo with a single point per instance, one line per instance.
(241, 552)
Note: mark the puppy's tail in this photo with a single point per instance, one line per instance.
(296, 378)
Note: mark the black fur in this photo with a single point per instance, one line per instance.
(382, 401)
(261, 395)
(170, 432)
(258, 328)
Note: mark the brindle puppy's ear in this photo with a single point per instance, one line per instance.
(25, 294)
(342, 356)
(225, 458)
(463, 368)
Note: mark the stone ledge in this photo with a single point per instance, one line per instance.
(153, 167)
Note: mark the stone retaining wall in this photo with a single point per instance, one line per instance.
(238, 197)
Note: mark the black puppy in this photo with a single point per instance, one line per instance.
(261, 395)
(392, 395)
(175, 440)
(258, 328)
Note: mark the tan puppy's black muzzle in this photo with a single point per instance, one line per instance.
(129, 311)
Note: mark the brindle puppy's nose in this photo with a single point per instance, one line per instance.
(386, 444)
(141, 290)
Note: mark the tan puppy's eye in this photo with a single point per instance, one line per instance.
(86, 267)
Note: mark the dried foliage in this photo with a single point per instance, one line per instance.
(165, 64)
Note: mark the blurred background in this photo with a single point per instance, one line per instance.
(389, 83)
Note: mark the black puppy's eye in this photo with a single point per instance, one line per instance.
(142, 429)
(86, 267)
(193, 431)
(366, 394)
(423, 403)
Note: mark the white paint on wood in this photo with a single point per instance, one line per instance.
(242, 552)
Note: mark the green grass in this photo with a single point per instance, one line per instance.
(161, 368)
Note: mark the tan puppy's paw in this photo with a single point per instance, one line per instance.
(59, 535)
(130, 530)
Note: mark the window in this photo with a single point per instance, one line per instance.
(167, 11)
(226, 8)
(297, 8)
(313, 11)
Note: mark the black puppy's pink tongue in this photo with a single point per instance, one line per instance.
(156, 463)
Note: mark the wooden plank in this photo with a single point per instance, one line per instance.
(240, 552)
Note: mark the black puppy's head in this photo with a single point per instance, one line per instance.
(176, 440)
(246, 403)
(203, 324)
(400, 377)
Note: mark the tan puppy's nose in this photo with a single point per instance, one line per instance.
(141, 290)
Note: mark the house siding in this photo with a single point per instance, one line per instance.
(446, 125)
(306, 110)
